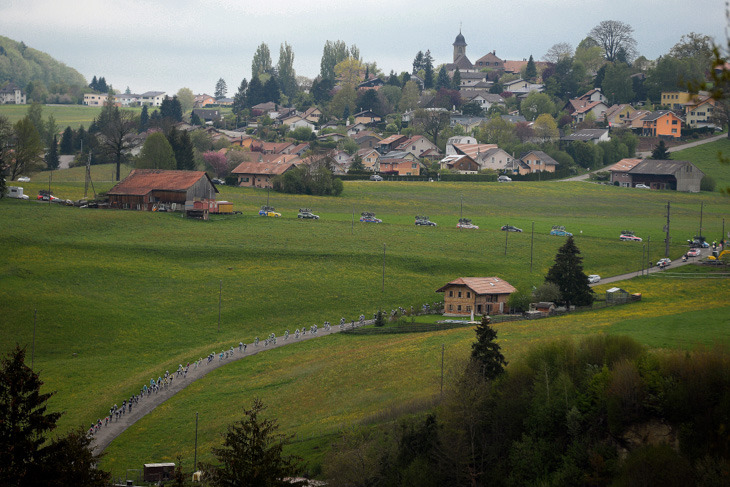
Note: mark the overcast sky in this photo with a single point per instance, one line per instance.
(168, 44)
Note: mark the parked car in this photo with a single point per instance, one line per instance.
(629, 237)
(269, 211)
(693, 253)
(510, 228)
(46, 196)
(504, 179)
(24, 179)
(376, 177)
(424, 221)
(306, 214)
(663, 262)
(594, 278)
(698, 242)
(560, 231)
(642, 186)
(466, 223)
(369, 217)
(218, 181)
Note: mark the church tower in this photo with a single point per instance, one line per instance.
(459, 46)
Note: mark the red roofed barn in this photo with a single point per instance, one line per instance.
(483, 295)
(149, 189)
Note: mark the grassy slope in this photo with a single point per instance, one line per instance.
(65, 115)
(124, 295)
(706, 157)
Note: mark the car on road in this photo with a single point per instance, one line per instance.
(629, 237)
(218, 181)
(24, 179)
(594, 279)
(642, 186)
(423, 221)
(369, 217)
(466, 223)
(44, 195)
(306, 214)
(510, 228)
(560, 231)
(269, 211)
(693, 253)
(504, 179)
(663, 262)
(376, 177)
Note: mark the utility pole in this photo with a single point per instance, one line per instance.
(648, 257)
(195, 461)
(352, 229)
(643, 248)
(702, 206)
(383, 289)
(442, 370)
(506, 235)
(532, 243)
(32, 349)
(461, 211)
(666, 229)
(220, 298)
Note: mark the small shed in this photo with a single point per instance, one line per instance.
(158, 472)
(546, 308)
(616, 295)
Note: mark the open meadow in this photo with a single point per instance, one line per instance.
(121, 296)
(65, 115)
(707, 158)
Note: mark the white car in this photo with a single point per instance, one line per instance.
(594, 278)
(642, 186)
(24, 179)
(504, 179)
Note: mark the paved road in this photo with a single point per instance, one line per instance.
(106, 434)
(584, 177)
(652, 270)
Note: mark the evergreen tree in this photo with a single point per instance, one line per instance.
(67, 142)
(239, 100)
(256, 93)
(81, 136)
(171, 109)
(567, 273)
(443, 80)
(661, 152)
(428, 70)
(271, 90)
(418, 62)
(144, 119)
(156, 153)
(393, 79)
(220, 89)
(94, 84)
(456, 82)
(261, 63)
(486, 352)
(195, 119)
(252, 453)
(52, 154)
(531, 69)
(182, 148)
(24, 422)
(287, 76)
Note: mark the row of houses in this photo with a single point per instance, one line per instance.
(150, 98)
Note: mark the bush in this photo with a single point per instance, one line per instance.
(708, 184)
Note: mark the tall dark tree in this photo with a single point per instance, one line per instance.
(94, 84)
(24, 421)
(443, 80)
(530, 69)
(67, 142)
(456, 81)
(182, 147)
(567, 273)
(195, 119)
(252, 453)
(428, 70)
(393, 79)
(256, 92)
(239, 99)
(171, 109)
(486, 351)
(661, 152)
(271, 90)
(418, 63)
(322, 90)
(51, 157)
(220, 89)
(102, 86)
(6, 136)
(614, 36)
(144, 119)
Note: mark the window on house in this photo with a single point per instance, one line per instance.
(468, 309)
(468, 294)
(674, 131)
(451, 307)
(451, 294)
(458, 307)
(459, 293)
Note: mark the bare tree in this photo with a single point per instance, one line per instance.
(558, 52)
(615, 38)
(116, 130)
(432, 122)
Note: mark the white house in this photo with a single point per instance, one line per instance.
(12, 95)
(153, 98)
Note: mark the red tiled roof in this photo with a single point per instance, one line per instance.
(482, 285)
(624, 165)
(142, 181)
(391, 139)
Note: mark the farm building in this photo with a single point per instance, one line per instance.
(483, 295)
(160, 189)
(658, 174)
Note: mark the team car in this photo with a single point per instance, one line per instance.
(306, 214)
(628, 236)
(268, 211)
(594, 279)
(424, 221)
(510, 228)
(560, 231)
(369, 217)
(466, 223)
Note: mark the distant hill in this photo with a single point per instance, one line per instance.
(49, 80)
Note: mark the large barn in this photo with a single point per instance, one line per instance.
(157, 189)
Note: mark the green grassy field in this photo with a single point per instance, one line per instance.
(707, 158)
(65, 115)
(122, 296)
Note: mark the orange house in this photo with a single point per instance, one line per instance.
(402, 166)
(662, 123)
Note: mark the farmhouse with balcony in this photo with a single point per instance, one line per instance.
(481, 295)
(152, 189)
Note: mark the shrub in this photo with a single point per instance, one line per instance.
(707, 184)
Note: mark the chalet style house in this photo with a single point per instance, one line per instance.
(482, 295)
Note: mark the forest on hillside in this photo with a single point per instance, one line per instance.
(39, 75)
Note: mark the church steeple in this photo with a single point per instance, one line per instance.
(459, 46)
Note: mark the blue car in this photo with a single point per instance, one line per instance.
(559, 230)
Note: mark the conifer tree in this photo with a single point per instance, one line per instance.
(443, 80)
(144, 119)
(52, 154)
(530, 69)
(428, 70)
(486, 352)
(660, 152)
(456, 82)
(67, 142)
(567, 273)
